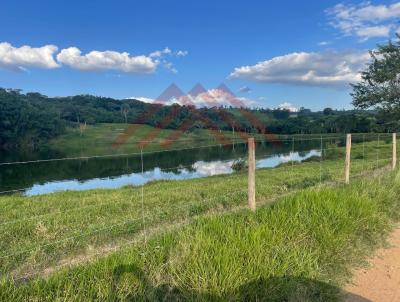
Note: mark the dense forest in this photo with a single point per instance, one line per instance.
(32, 118)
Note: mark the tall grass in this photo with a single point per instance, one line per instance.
(300, 249)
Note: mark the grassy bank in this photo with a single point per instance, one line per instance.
(300, 249)
(42, 234)
(43, 231)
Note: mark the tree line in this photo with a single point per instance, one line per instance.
(32, 118)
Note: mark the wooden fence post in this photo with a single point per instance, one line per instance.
(348, 157)
(394, 158)
(252, 174)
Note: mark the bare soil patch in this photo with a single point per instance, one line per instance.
(380, 282)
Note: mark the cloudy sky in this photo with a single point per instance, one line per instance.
(295, 53)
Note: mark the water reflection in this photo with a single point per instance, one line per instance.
(274, 161)
(198, 169)
(213, 168)
(114, 172)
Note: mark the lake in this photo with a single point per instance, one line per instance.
(117, 171)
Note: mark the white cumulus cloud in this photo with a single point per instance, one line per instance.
(160, 56)
(244, 89)
(328, 68)
(26, 56)
(106, 60)
(214, 98)
(209, 98)
(288, 106)
(365, 20)
(160, 53)
(182, 53)
(142, 99)
(324, 43)
(169, 66)
(374, 31)
(48, 57)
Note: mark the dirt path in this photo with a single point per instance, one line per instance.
(381, 281)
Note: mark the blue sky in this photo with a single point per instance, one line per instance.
(298, 52)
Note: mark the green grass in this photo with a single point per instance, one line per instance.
(68, 214)
(98, 139)
(300, 249)
(303, 245)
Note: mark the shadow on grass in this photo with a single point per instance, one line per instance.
(282, 289)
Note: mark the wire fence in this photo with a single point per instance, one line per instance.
(41, 234)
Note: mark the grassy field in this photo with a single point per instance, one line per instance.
(98, 139)
(303, 245)
(300, 249)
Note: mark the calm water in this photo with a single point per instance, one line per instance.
(47, 177)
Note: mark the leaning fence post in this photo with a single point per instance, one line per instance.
(252, 174)
(394, 157)
(348, 156)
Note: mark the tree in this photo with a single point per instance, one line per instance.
(32, 119)
(281, 113)
(125, 109)
(380, 84)
(22, 124)
(328, 111)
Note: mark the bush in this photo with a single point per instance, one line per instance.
(239, 165)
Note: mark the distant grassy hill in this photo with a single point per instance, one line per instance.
(98, 139)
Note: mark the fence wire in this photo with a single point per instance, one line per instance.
(301, 165)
